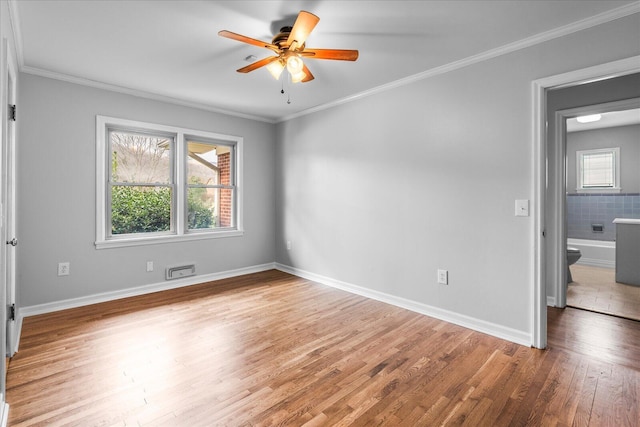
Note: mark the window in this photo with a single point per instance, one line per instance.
(160, 183)
(598, 170)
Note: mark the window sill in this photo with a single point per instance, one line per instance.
(156, 240)
(598, 190)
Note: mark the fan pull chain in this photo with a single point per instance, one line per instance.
(288, 91)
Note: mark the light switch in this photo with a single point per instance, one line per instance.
(522, 207)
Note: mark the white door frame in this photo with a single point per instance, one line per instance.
(8, 201)
(561, 142)
(4, 70)
(540, 160)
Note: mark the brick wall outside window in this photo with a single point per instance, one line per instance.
(225, 211)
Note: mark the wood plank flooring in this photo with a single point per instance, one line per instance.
(270, 349)
(596, 289)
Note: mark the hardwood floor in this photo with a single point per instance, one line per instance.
(271, 349)
(596, 289)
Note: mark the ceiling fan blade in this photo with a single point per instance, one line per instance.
(258, 64)
(337, 54)
(308, 76)
(305, 23)
(248, 40)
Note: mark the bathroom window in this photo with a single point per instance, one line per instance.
(598, 170)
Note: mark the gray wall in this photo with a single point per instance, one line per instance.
(383, 191)
(56, 190)
(625, 137)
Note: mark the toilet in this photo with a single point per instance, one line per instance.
(573, 255)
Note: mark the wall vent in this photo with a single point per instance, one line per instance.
(180, 271)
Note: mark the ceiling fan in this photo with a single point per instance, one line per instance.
(289, 48)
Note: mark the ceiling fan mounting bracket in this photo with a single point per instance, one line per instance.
(280, 39)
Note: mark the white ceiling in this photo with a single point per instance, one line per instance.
(170, 49)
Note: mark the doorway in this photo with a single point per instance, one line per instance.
(602, 183)
(549, 262)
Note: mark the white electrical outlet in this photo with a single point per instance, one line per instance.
(64, 268)
(149, 266)
(288, 245)
(443, 277)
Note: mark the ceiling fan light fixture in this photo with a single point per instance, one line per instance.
(276, 68)
(289, 46)
(294, 64)
(590, 118)
(298, 77)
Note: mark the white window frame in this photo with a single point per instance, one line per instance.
(616, 172)
(179, 230)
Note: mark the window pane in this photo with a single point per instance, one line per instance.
(140, 209)
(140, 158)
(598, 170)
(209, 208)
(157, 182)
(208, 163)
(201, 207)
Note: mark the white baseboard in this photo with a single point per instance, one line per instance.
(140, 290)
(593, 262)
(13, 346)
(551, 301)
(4, 414)
(499, 331)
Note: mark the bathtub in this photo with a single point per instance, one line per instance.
(597, 253)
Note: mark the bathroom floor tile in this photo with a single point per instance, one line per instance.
(595, 289)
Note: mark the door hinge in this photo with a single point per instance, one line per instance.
(12, 112)
(11, 312)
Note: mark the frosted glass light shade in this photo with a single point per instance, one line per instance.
(275, 68)
(298, 77)
(294, 64)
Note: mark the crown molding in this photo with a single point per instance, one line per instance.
(17, 36)
(574, 27)
(139, 93)
(577, 26)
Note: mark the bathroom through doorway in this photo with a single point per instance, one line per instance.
(602, 158)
